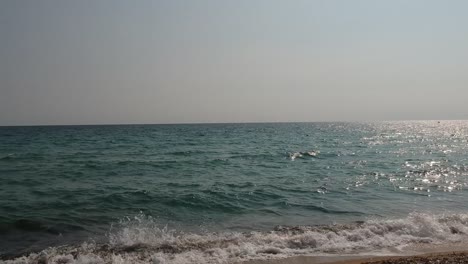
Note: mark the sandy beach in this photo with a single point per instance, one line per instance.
(417, 253)
(451, 257)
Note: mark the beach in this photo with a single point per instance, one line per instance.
(451, 253)
(454, 257)
(226, 193)
(233, 132)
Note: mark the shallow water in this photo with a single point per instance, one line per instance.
(73, 184)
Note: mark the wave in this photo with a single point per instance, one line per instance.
(7, 157)
(302, 154)
(139, 239)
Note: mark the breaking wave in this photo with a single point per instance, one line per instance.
(140, 239)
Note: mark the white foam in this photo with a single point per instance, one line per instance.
(140, 240)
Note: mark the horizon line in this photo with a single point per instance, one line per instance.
(227, 123)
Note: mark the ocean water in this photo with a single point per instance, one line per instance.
(223, 193)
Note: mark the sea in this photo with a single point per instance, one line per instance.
(227, 193)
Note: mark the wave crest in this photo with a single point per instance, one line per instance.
(140, 240)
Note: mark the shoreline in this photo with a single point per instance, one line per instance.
(278, 247)
(416, 253)
(435, 257)
(451, 253)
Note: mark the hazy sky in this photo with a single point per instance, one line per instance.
(97, 61)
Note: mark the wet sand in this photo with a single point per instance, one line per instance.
(451, 257)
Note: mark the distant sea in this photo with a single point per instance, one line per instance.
(221, 193)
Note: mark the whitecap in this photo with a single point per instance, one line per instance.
(140, 240)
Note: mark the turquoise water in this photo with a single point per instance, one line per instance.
(140, 184)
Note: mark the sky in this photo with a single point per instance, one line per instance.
(176, 61)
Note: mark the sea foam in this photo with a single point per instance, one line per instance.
(138, 239)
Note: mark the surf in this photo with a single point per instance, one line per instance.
(139, 239)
